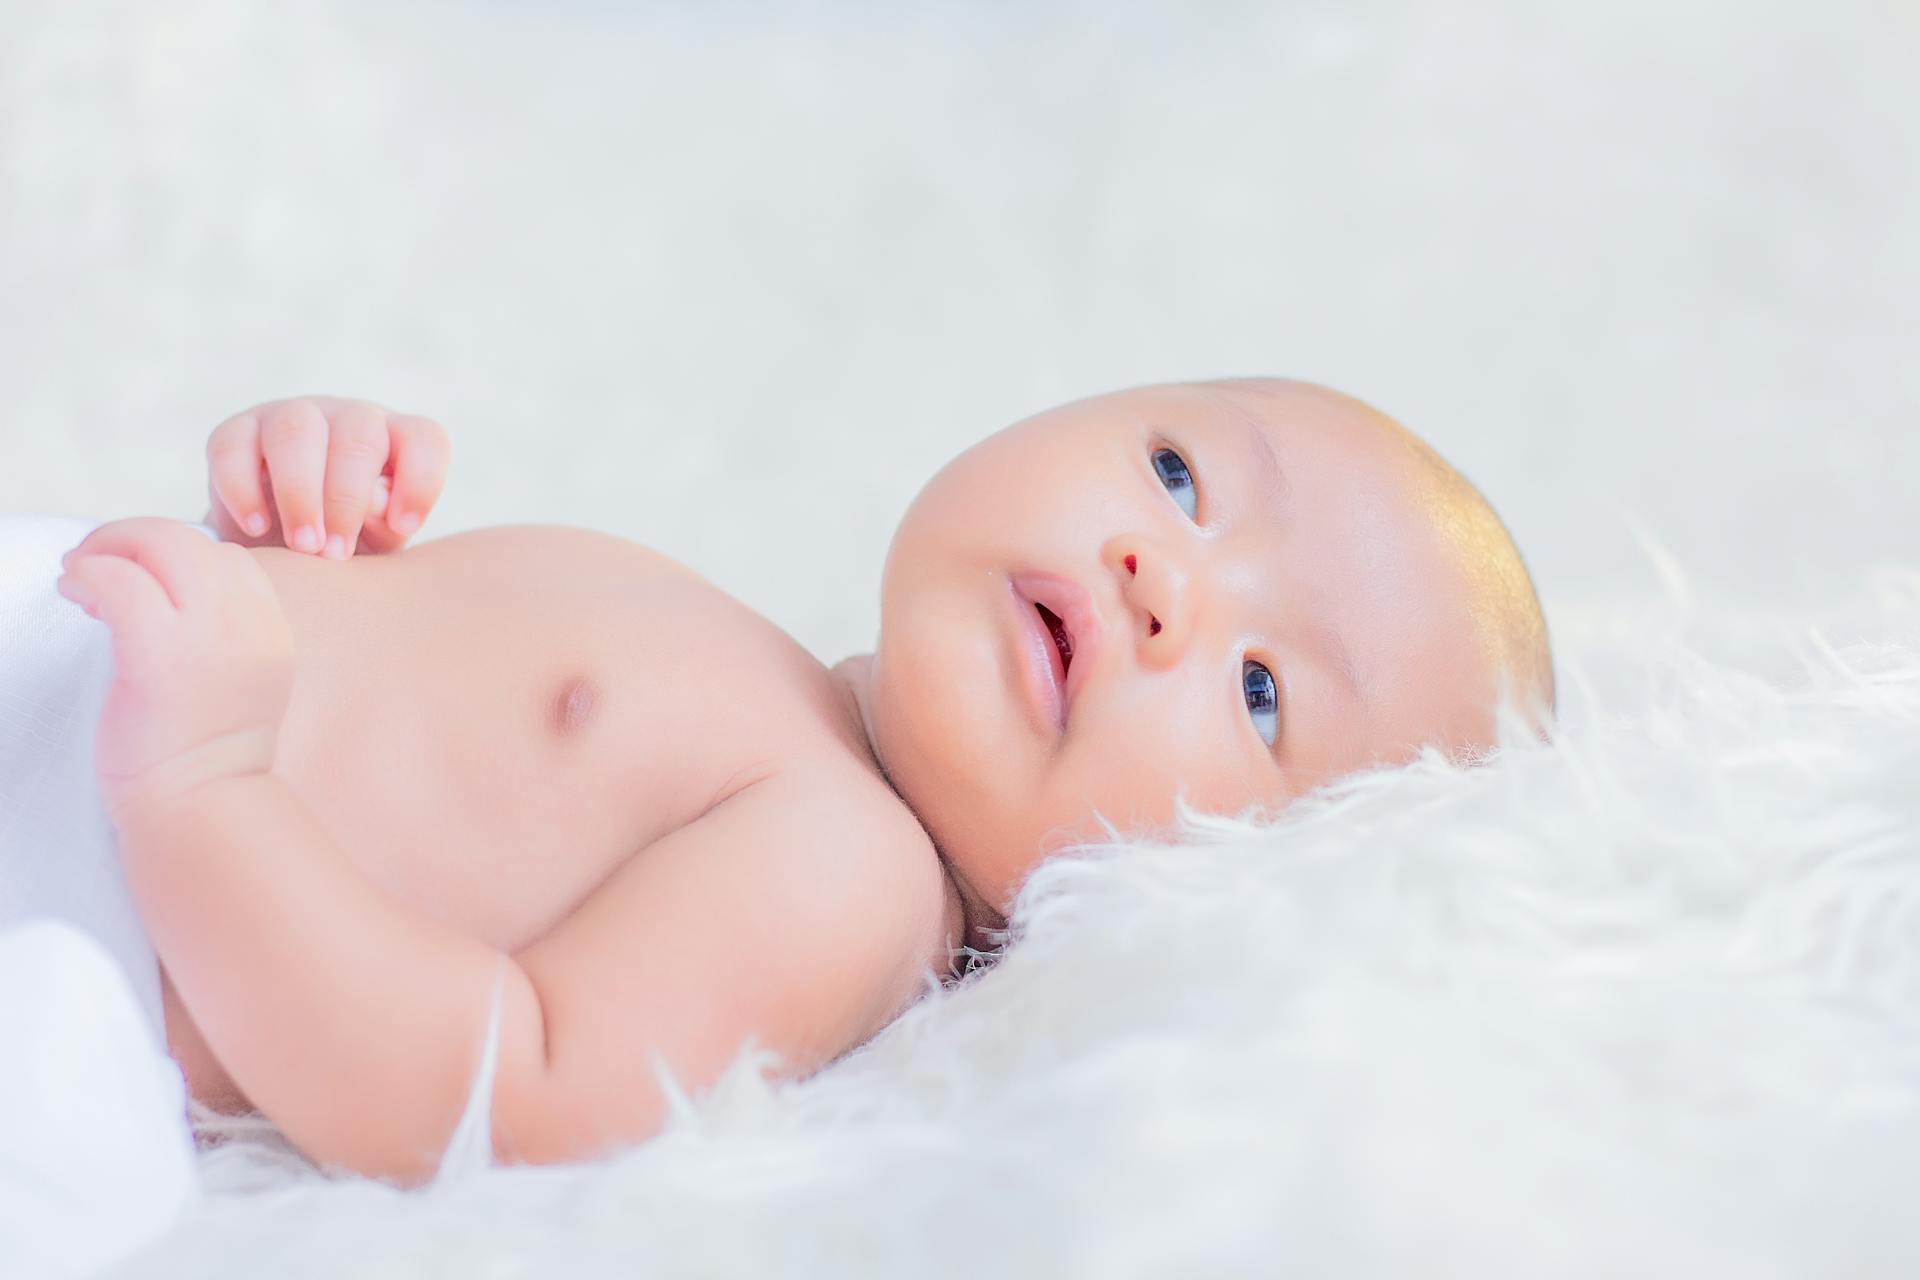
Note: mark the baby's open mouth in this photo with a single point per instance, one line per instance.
(1068, 616)
(1062, 638)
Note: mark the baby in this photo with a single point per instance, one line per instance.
(352, 793)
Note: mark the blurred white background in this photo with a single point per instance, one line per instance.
(734, 280)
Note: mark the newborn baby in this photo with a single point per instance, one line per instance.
(352, 793)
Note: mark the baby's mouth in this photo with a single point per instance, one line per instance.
(1073, 624)
(1062, 639)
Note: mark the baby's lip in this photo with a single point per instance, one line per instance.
(1073, 605)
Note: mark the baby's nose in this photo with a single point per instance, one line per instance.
(1155, 587)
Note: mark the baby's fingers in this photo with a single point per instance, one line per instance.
(421, 455)
(167, 552)
(375, 537)
(233, 466)
(293, 437)
(118, 592)
(356, 451)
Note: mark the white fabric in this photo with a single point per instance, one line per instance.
(470, 1149)
(58, 855)
(96, 1157)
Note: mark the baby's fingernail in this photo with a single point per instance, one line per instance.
(405, 522)
(336, 547)
(256, 524)
(306, 539)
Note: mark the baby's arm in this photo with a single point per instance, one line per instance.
(356, 1025)
(351, 1022)
(798, 911)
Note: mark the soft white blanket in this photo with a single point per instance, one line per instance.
(1643, 1001)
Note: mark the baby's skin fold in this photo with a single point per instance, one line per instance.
(359, 796)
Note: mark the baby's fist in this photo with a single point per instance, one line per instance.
(202, 658)
(324, 475)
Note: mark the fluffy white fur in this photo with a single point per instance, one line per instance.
(1644, 1000)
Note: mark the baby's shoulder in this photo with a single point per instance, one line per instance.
(833, 788)
(837, 806)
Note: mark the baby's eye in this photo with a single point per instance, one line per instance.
(1263, 699)
(1178, 480)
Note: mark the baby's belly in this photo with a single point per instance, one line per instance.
(489, 725)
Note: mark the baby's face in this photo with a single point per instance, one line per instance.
(1267, 586)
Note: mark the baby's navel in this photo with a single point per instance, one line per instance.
(573, 706)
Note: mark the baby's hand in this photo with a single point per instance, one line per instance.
(375, 473)
(202, 658)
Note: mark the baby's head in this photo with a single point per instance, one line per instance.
(1262, 585)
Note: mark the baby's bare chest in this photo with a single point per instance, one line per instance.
(491, 724)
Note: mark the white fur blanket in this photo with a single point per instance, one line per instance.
(1642, 1001)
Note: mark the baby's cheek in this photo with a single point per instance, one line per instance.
(1128, 783)
(1148, 775)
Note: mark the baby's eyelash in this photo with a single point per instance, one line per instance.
(1173, 474)
(1261, 692)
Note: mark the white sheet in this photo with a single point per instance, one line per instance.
(96, 1159)
(58, 854)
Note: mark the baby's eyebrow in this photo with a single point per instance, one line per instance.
(1334, 649)
(1270, 482)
